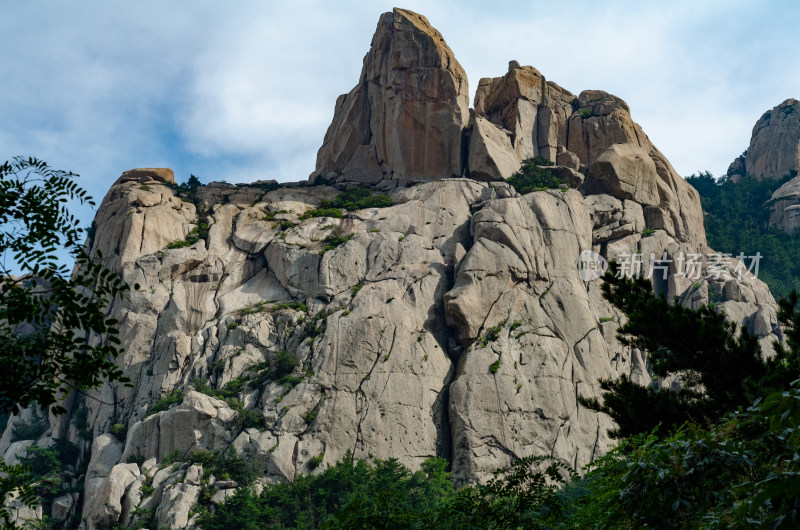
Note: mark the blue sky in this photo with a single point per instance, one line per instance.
(245, 90)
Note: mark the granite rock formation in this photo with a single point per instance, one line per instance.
(774, 153)
(453, 323)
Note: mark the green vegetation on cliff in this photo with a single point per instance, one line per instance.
(716, 460)
(737, 221)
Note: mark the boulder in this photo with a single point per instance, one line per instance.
(107, 500)
(406, 113)
(176, 503)
(601, 120)
(534, 110)
(146, 174)
(199, 422)
(624, 171)
(491, 155)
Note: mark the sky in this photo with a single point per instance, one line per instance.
(245, 90)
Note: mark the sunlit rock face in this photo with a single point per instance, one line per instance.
(453, 323)
(774, 153)
(403, 121)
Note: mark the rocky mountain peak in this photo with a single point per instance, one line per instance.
(774, 153)
(774, 150)
(452, 322)
(404, 119)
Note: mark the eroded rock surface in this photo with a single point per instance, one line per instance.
(453, 323)
(774, 150)
(404, 119)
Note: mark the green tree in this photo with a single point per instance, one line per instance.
(721, 367)
(531, 177)
(53, 326)
(743, 472)
(737, 221)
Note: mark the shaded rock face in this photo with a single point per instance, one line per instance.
(404, 119)
(453, 323)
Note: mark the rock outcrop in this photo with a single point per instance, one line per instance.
(403, 121)
(774, 150)
(774, 153)
(785, 206)
(452, 323)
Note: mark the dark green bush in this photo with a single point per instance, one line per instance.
(357, 198)
(334, 240)
(136, 458)
(742, 473)
(531, 177)
(173, 398)
(322, 212)
(284, 363)
(119, 430)
(737, 221)
(29, 429)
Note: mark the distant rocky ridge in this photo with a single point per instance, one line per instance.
(774, 153)
(453, 323)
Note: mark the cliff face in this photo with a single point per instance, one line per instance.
(774, 153)
(453, 323)
(774, 150)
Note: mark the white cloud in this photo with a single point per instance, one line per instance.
(246, 90)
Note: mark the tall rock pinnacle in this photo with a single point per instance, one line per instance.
(403, 121)
(775, 144)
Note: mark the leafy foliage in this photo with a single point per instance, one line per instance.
(531, 177)
(721, 369)
(743, 472)
(356, 198)
(322, 212)
(334, 240)
(173, 398)
(527, 494)
(386, 494)
(30, 429)
(49, 319)
(223, 465)
(737, 220)
(15, 478)
(351, 494)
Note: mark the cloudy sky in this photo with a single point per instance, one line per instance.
(245, 90)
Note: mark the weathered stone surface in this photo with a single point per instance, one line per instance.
(600, 121)
(452, 323)
(534, 110)
(624, 171)
(199, 422)
(146, 174)
(774, 150)
(406, 113)
(177, 500)
(107, 505)
(785, 205)
(491, 156)
(151, 217)
(520, 276)
(61, 507)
